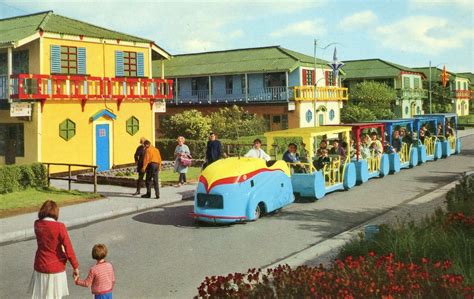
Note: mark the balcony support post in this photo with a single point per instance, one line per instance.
(10, 73)
(246, 89)
(286, 90)
(210, 90)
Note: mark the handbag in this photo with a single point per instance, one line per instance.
(185, 161)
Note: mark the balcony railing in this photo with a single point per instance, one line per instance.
(42, 87)
(328, 93)
(412, 93)
(462, 94)
(254, 95)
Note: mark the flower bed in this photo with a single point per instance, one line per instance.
(372, 276)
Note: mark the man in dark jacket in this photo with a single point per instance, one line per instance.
(139, 155)
(213, 150)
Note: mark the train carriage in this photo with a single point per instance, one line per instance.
(375, 165)
(338, 174)
(430, 148)
(447, 133)
(407, 157)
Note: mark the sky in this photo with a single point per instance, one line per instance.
(406, 32)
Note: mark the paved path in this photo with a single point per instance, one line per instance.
(161, 253)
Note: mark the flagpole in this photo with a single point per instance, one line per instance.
(315, 82)
(429, 88)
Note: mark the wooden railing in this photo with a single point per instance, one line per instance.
(69, 178)
(328, 93)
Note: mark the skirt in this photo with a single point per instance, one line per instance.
(49, 286)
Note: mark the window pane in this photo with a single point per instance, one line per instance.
(133, 54)
(72, 63)
(64, 70)
(133, 73)
(72, 49)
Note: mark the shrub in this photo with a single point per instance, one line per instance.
(352, 113)
(243, 122)
(461, 197)
(371, 276)
(19, 177)
(190, 124)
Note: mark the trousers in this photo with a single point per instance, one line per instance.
(152, 173)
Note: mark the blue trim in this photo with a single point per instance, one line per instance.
(81, 61)
(103, 112)
(140, 64)
(119, 64)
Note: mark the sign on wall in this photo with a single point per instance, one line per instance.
(20, 109)
(159, 107)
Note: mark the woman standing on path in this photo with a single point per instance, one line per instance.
(183, 160)
(54, 250)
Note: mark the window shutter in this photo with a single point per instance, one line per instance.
(304, 77)
(326, 77)
(118, 63)
(140, 65)
(81, 61)
(313, 77)
(55, 59)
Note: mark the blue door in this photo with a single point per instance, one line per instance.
(102, 155)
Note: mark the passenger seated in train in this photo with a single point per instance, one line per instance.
(337, 149)
(257, 152)
(375, 146)
(303, 153)
(449, 130)
(424, 133)
(439, 130)
(322, 145)
(405, 136)
(291, 156)
(396, 141)
(322, 160)
(351, 150)
(364, 147)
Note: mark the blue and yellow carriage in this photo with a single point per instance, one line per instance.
(338, 174)
(430, 148)
(407, 156)
(241, 189)
(446, 132)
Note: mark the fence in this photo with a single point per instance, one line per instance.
(69, 178)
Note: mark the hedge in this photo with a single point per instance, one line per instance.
(231, 147)
(19, 177)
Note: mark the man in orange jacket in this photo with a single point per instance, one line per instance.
(151, 164)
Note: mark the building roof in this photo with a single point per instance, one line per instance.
(374, 68)
(436, 73)
(16, 28)
(237, 61)
(470, 76)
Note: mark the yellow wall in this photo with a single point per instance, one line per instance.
(81, 148)
(96, 65)
(30, 130)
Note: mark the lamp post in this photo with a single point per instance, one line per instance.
(315, 70)
(429, 84)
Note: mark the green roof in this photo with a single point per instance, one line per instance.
(238, 61)
(470, 76)
(436, 73)
(16, 28)
(374, 68)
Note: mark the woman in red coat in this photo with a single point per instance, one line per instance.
(54, 250)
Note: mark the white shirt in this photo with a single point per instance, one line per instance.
(257, 153)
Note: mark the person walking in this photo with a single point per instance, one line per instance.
(182, 161)
(151, 164)
(101, 276)
(213, 150)
(54, 250)
(139, 155)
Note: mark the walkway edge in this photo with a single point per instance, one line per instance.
(28, 234)
(329, 246)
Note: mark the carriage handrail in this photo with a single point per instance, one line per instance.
(452, 142)
(404, 152)
(373, 163)
(308, 167)
(430, 145)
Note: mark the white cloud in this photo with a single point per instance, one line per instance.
(236, 33)
(419, 34)
(358, 20)
(437, 3)
(308, 27)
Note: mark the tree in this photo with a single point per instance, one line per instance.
(369, 101)
(440, 99)
(235, 121)
(190, 124)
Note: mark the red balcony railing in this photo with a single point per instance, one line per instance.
(462, 94)
(84, 88)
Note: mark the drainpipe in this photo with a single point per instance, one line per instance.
(246, 89)
(176, 91)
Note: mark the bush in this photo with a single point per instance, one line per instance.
(363, 277)
(19, 177)
(461, 197)
(352, 113)
(242, 123)
(190, 124)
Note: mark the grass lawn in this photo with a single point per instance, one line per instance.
(169, 177)
(30, 200)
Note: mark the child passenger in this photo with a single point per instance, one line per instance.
(101, 276)
(323, 160)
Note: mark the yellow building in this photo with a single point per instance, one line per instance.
(72, 92)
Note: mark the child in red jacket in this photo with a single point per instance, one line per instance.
(101, 276)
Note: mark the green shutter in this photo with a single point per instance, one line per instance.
(67, 129)
(406, 82)
(132, 125)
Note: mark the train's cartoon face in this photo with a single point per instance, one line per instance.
(239, 189)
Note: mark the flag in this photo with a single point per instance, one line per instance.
(335, 65)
